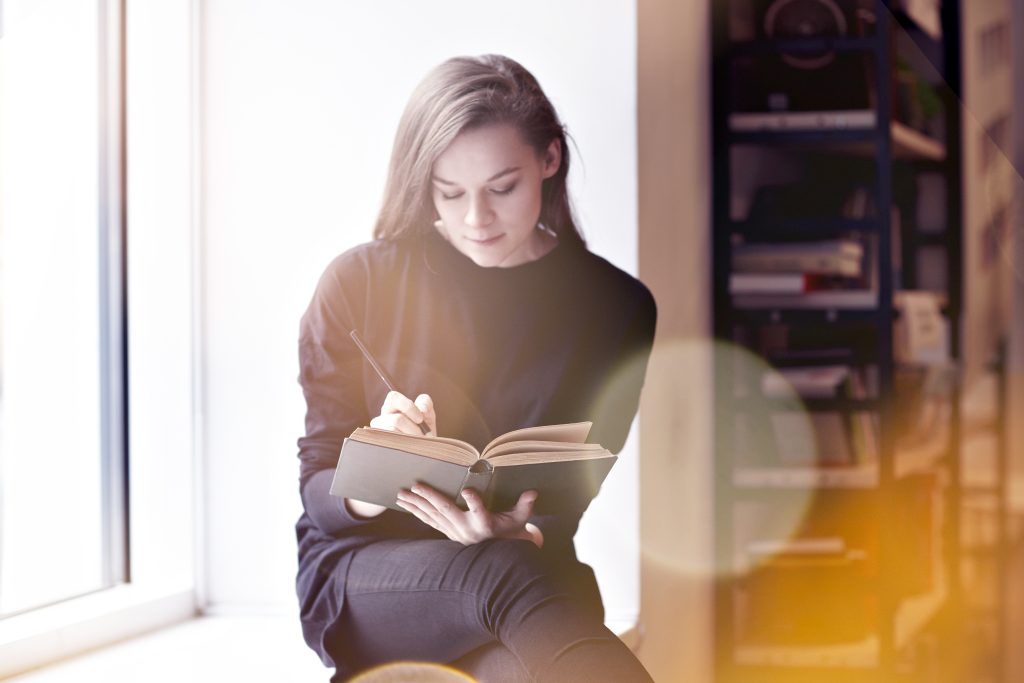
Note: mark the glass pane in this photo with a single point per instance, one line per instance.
(52, 512)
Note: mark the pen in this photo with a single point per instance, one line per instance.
(381, 372)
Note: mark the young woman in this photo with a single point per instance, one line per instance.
(479, 296)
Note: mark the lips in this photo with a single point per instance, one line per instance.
(485, 242)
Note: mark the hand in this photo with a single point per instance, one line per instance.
(400, 414)
(476, 524)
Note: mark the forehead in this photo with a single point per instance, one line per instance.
(480, 152)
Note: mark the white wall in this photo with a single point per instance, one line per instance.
(301, 99)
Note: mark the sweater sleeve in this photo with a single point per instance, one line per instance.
(614, 415)
(330, 373)
(620, 399)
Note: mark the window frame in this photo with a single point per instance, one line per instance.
(151, 342)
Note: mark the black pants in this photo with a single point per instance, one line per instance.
(500, 610)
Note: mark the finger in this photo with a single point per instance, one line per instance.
(426, 406)
(426, 513)
(397, 402)
(395, 422)
(444, 505)
(417, 513)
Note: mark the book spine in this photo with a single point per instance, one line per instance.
(771, 283)
(844, 247)
(478, 477)
(826, 264)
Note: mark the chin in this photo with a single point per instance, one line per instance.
(487, 260)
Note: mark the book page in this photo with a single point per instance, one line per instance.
(509, 459)
(575, 432)
(436, 447)
(539, 447)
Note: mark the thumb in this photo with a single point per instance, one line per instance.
(524, 507)
(473, 502)
(426, 405)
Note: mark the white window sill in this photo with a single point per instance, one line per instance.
(68, 628)
(255, 649)
(206, 650)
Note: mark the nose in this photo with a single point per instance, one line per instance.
(479, 213)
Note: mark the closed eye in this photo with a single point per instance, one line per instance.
(504, 191)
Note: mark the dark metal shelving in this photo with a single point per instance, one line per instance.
(754, 47)
(762, 230)
(803, 316)
(892, 147)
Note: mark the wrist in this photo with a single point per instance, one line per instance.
(362, 510)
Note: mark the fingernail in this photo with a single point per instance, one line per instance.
(417, 490)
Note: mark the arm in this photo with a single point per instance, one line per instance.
(330, 373)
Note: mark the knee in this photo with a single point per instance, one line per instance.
(503, 559)
(509, 573)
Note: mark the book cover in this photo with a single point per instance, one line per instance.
(553, 460)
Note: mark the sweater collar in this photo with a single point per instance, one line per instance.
(444, 259)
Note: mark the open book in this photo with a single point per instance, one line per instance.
(552, 460)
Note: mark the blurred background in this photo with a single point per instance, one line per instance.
(825, 479)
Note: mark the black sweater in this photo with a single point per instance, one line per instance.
(564, 338)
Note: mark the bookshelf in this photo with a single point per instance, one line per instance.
(795, 173)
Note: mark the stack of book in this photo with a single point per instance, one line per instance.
(826, 273)
(820, 437)
(805, 591)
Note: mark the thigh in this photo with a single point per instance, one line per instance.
(433, 600)
(416, 600)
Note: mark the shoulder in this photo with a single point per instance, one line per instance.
(366, 258)
(612, 285)
(357, 267)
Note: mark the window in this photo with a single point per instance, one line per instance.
(62, 417)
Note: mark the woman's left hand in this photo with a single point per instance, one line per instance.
(475, 524)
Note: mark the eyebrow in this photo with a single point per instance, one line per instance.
(499, 174)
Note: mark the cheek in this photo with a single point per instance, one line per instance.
(446, 210)
(524, 205)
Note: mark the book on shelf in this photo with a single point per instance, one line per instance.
(795, 547)
(811, 438)
(921, 333)
(825, 381)
(776, 283)
(805, 591)
(845, 119)
(833, 257)
(790, 283)
(553, 460)
(819, 291)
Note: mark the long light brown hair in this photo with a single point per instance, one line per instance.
(459, 94)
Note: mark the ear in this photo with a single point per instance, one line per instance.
(552, 159)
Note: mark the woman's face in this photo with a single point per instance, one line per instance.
(487, 191)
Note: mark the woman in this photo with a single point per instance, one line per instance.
(479, 296)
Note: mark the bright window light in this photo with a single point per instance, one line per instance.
(59, 499)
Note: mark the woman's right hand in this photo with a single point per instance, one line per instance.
(398, 413)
